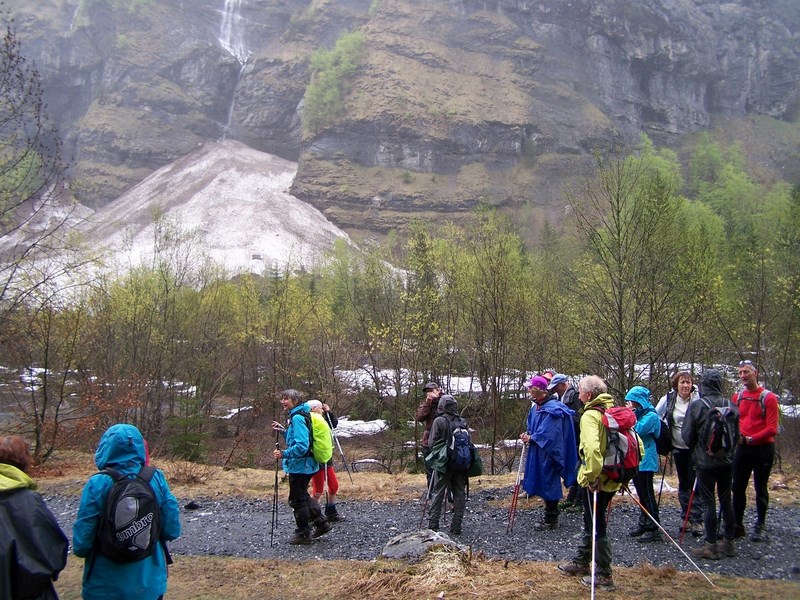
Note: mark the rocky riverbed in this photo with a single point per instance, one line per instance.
(242, 528)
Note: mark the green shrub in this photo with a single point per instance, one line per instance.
(330, 74)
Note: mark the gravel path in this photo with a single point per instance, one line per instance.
(232, 527)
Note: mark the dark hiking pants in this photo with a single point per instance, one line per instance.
(758, 461)
(306, 509)
(603, 545)
(707, 481)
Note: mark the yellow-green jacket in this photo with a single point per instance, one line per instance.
(593, 443)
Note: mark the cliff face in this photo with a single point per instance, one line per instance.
(456, 102)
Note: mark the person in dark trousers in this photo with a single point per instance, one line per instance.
(122, 448)
(712, 472)
(648, 426)
(552, 450)
(593, 393)
(300, 465)
(673, 407)
(33, 549)
(759, 417)
(426, 413)
(568, 396)
(326, 474)
(455, 481)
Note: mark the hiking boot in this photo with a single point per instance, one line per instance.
(300, 539)
(727, 547)
(574, 569)
(637, 531)
(739, 532)
(696, 529)
(332, 514)
(545, 525)
(708, 551)
(321, 529)
(651, 536)
(759, 533)
(455, 530)
(603, 584)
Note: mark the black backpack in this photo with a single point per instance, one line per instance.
(130, 526)
(718, 437)
(664, 439)
(459, 450)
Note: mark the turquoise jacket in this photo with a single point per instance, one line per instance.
(296, 456)
(648, 426)
(122, 447)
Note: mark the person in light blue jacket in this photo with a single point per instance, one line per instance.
(648, 426)
(299, 463)
(122, 448)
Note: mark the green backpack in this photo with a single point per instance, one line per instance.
(320, 440)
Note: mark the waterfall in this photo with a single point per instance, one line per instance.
(231, 36)
(229, 116)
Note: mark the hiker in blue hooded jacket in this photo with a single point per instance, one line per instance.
(552, 450)
(122, 448)
(648, 426)
(300, 466)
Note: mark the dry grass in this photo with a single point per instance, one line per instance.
(443, 574)
(68, 471)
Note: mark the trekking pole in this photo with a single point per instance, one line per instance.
(274, 499)
(512, 512)
(594, 539)
(339, 446)
(663, 474)
(664, 531)
(688, 509)
(427, 498)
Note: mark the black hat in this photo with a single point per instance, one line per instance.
(431, 385)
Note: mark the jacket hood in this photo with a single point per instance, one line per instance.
(300, 409)
(448, 405)
(640, 395)
(711, 383)
(605, 400)
(12, 478)
(122, 445)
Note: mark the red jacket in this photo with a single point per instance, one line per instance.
(756, 422)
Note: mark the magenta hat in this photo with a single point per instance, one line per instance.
(538, 382)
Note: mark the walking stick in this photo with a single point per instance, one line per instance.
(427, 498)
(512, 512)
(274, 499)
(688, 509)
(339, 446)
(663, 474)
(594, 539)
(664, 531)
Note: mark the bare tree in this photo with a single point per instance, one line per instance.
(630, 280)
(32, 181)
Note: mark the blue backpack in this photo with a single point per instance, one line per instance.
(459, 450)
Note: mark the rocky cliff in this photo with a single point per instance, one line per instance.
(453, 104)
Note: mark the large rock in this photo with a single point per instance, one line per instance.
(414, 545)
